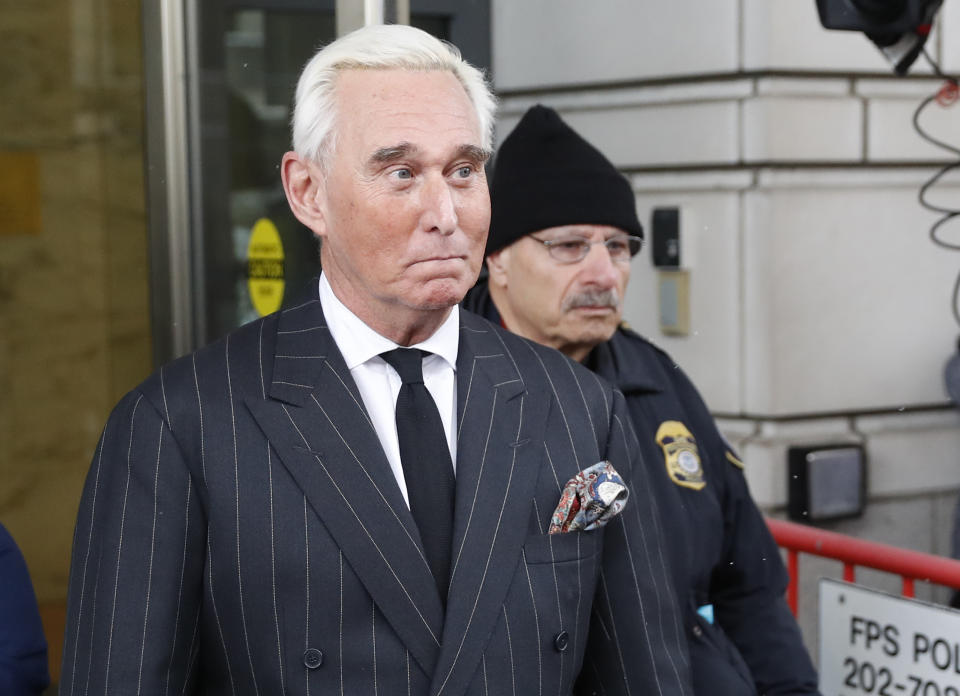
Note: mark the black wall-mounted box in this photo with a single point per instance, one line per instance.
(665, 237)
(826, 482)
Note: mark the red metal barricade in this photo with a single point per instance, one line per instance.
(909, 565)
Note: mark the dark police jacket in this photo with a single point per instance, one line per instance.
(724, 561)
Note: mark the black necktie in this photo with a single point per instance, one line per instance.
(425, 458)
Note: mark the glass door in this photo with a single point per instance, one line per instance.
(255, 254)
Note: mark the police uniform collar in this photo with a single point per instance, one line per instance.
(616, 360)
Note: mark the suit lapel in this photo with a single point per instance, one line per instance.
(496, 473)
(316, 422)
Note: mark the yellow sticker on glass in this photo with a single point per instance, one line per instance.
(265, 267)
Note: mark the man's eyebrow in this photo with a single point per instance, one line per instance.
(473, 153)
(393, 153)
(386, 155)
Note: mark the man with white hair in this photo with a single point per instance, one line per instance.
(373, 492)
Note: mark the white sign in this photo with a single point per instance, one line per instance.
(875, 643)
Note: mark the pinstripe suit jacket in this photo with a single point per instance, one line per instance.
(241, 532)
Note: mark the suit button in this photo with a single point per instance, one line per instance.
(561, 641)
(312, 658)
(697, 631)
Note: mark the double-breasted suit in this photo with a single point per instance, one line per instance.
(241, 532)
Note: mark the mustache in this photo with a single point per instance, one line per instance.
(593, 298)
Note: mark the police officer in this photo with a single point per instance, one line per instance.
(562, 234)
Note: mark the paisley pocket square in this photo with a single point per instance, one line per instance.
(589, 500)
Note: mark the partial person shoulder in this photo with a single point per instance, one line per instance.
(7, 544)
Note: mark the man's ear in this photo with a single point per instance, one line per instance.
(498, 264)
(304, 185)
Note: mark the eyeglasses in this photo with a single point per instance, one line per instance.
(621, 248)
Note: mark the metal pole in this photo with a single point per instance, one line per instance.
(168, 188)
(353, 14)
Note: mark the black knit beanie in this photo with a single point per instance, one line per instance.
(545, 175)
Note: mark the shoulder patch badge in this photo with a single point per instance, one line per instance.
(681, 455)
(731, 453)
(733, 459)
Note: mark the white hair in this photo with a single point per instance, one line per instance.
(393, 46)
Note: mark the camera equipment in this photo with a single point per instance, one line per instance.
(899, 28)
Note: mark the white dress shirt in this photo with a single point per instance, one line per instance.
(379, 383)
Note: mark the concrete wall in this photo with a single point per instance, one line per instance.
(820, 310)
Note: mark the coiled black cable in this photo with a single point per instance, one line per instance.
(945, 96)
